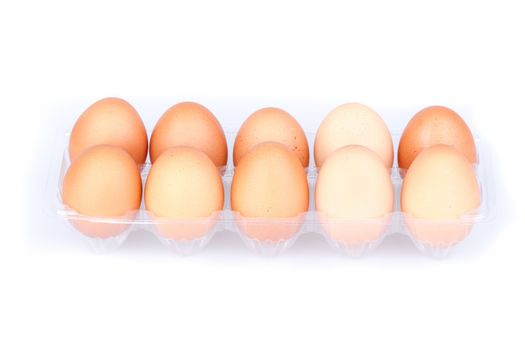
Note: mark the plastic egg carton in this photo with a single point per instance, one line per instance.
(433, 237)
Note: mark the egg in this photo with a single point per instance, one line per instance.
(269, 192)
(103, 181)
(271, 124)
(193, 125)
(183, 193)
(354, 195)
(110, 121)
(353, 124)
(432, 126)
(439, 189)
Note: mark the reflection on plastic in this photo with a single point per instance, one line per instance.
(102, 227)
(271, 230)
(437, 233)
(184, 228)
(186, 246)
(354, 232)
(108, 244)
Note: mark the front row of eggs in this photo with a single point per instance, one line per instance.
(353, 150)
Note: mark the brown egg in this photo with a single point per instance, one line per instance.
(353, 124)
(110, 121)
(103, 181)
(271, 124)
(193, 125)
(432, 126)
(184, 184)
(269, 183)
(439, 188)
(354, 195)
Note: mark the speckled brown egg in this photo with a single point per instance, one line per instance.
(103, 181)
(193, 125)
(269, 183)
(271, 124)
(110, 121)
(353, 124)
(439, 189)
(432, 126)
(184, 185)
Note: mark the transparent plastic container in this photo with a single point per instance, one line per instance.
(351, 237)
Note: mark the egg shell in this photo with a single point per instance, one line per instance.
(184, 193)
(353, 124)
(433, 126)
(439, 189)
(271, 124)
(354, 195)
(110, 121)
(193, 125)
(104, 182)
(269, 184)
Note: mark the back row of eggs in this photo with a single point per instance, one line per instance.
(114, 121)
(269, 180)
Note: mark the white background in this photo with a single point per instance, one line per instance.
(58, 57)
